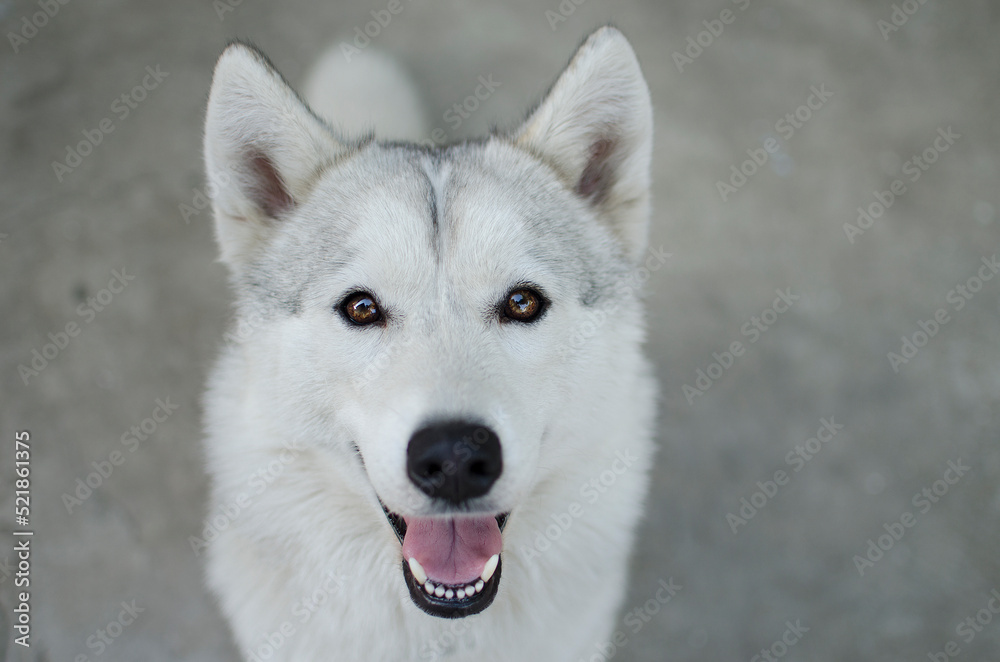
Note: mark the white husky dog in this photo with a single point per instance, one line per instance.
(431, 436)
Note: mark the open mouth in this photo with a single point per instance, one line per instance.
(451, 565)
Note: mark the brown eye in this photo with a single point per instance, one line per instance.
(360, 308)
(523, 305)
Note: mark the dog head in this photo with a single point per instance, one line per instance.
(419, 305)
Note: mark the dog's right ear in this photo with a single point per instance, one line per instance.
(263, 149)
(595, 128)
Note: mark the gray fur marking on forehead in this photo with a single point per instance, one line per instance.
(436, 170)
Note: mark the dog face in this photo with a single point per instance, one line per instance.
(416, 303)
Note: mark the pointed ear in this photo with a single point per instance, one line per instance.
(595, 128)
(263, 149)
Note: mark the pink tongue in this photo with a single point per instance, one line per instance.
(452, 550)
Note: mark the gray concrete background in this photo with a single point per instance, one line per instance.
(826, 357)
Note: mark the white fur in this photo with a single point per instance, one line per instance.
(372, 91)
(288, 403)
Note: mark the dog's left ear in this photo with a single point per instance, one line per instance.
(595, 128)
(263, 148)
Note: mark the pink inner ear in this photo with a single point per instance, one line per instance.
(269, 191)
(596, 176)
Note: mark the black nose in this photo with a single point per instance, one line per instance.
(454, 460)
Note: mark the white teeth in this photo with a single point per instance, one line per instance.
(418, 571)
(491, 567)
(459, 593)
